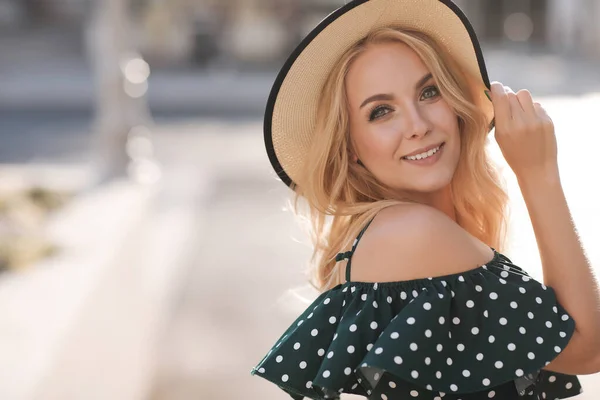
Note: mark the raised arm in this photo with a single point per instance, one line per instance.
(566, 270)
(525, 134)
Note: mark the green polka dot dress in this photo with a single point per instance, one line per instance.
(480, 334)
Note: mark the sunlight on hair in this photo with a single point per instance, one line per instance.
(338, 197)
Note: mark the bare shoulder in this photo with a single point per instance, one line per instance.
(412, 241)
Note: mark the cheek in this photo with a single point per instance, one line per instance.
(378, 141)
(443, 117)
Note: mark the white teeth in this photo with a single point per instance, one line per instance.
(425, 154)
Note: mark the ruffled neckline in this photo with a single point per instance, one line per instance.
(488, 329)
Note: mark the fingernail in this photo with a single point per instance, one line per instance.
(487, 93)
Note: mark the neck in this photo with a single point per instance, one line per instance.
(440, 200)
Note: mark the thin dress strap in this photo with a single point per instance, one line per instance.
(348, 254)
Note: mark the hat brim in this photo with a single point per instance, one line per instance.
(290, 114)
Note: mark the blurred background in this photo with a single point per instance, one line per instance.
(146, 251)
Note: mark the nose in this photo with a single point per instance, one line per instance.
(417, 124)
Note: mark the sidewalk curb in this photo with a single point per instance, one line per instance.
(90, 317)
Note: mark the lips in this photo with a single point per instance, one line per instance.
(423, 150)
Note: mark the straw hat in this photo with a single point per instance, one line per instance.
(290, 115)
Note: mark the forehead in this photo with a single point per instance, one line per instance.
(380, 65)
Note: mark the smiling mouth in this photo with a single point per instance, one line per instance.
(424, 155)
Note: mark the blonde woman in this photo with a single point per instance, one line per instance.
(379, 122)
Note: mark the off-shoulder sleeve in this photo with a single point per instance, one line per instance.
(489, 330)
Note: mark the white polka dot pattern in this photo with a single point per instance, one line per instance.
(466, 336)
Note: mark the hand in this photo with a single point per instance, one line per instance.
(524, 132)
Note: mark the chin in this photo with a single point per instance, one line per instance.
(431, 188)
(426, 186)
(430, 182)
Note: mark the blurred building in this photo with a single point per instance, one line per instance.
(200, 32)
(22, 14)
(568, 27)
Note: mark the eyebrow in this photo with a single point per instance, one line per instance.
(389, 96)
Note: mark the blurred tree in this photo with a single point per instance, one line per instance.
(121, 86)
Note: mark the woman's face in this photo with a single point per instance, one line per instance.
(395, 110)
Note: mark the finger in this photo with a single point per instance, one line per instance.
(501, 103)
(516, 110)
(541, 111)
(526, 101)
(537, 107)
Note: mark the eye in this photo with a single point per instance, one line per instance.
(376, 112)
(430, 92)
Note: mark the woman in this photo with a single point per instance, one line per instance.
(379, 120)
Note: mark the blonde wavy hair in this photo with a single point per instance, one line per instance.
(338, 197)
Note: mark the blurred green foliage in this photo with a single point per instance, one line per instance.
(23, 218)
